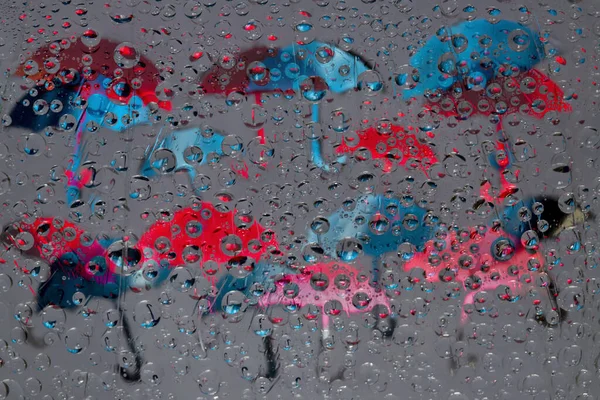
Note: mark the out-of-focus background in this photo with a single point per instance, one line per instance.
(431, 352)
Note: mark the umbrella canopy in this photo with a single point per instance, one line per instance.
(256, 71)
(203, 237)
(472, 53)
(539, 214)
(76, 258)
(390, 143)
(182, 150)
(506, 256)
(372, 225)
(129, 73)
(104, 266)
(266, 69)
(334, 289)
(530, 93)
(310, 69)
(480, 67)
(494, 266)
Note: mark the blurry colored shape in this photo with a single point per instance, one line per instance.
(473, 53)
(395, 147)
(308, 69)
(328, 290)
(183, 149)
(282, 69)
(99, 84)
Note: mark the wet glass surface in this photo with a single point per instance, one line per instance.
(376, 199)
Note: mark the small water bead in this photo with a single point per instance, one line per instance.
(241, 266)
(410, 222)
(530, 240)
(79, 298)
(182, 279)
(151, 374)
(320, 225)
(40, 107)
(567, 203)
(324, 54)
(210, 267)
(91, 39)
(146, 314)
(193, 155)
(303, 26)
(258, 73)
(503, 249)
(349, 249)
(32, 144)
(231, 245)
(234, 303)
(543, 225)
(342, 282)
(361, 300)
(314, 89)
(75, 341)
(519, 40)
(379, 224)
(406, 251)
(126, 55)
(253, 30)
(164, 160)
(524, 214)
(191, 254)
(319, 282)
(290, 290)
(30, 67)
(24, 241)
(370, 83)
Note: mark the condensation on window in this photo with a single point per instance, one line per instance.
(296, 199)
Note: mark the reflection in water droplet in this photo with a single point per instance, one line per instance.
(348, 249)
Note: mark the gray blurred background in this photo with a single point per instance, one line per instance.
(500, 355)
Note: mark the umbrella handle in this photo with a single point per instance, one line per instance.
(74, 185)
(261, 131)
(325, 322)
(316, 154)
(505, 187)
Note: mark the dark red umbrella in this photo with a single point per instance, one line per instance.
(310, 69)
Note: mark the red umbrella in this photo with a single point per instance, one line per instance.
(529, 93)
(499, 265)
(197, 236)
(391, 143)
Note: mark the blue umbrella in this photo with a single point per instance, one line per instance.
(179, 150)
(473, 53)
(372, 225)
(379, 223)
(468, 57)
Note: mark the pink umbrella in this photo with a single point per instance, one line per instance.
(396, 146)
(481, 260)
(334, 288)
